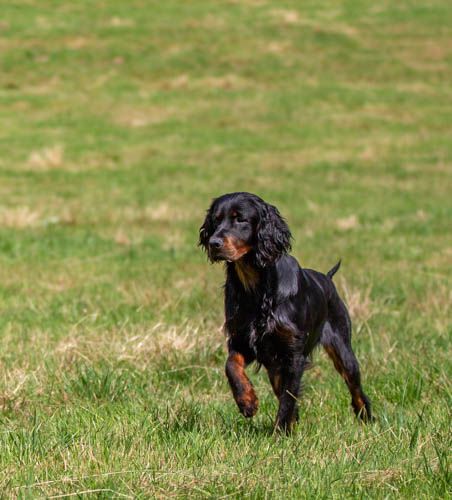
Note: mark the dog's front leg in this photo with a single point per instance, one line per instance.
(241, 386)
(290, 380)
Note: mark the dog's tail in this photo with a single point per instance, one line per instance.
(334, 270)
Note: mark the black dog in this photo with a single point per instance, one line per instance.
(276, 311)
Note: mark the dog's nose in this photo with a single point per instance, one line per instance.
(215, 243)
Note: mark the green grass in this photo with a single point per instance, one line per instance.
(119, 122)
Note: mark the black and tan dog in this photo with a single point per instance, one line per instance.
(276, 311)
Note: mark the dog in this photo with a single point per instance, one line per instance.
(276, 312)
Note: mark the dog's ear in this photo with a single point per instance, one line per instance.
(273, 235)
(206, 230)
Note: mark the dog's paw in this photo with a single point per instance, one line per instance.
(362, 409)
(285, 426)
(248, 405)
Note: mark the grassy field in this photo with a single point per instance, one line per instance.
(119, 121)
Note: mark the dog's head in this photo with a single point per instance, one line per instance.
(240, 224)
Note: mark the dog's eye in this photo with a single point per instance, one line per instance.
(237, 217)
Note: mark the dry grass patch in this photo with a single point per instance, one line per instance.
(77, 43)
(19, 217)
(174, 240)
(229, 81)
(424, 54)
(441, 261)
(359, 303)
(138, 345)
(416, 87)
(179, 82)
(141, 294)
(60, 283)
(277, 47)
(288, 161)
(435, 303)
(226, 82)
(248, 3)
(347, 223)
(327, 25)
(14, 386)
(389, 114)
(129, 225)
(46, 158)
(122, 238)
(44, 87)
(13, 381)
(210, 21)
(121, 22)
(24, 217)
(161, 212)
(53, 158)
(142, 117)
(286, 16)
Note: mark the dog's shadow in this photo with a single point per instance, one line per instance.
(236, 426)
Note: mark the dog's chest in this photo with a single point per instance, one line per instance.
(262, 337)
(247, 275)
(269, 349)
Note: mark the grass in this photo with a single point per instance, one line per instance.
(119, 122)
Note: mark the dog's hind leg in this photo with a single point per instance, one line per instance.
(336, 339)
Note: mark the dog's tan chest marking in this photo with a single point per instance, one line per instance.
(248, 276)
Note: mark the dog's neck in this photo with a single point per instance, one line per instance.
(247, 274)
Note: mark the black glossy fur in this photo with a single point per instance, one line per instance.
(276, 311)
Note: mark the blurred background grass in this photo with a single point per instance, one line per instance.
(118, 124)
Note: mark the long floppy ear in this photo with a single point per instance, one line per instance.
(206, 231)
(273, 235)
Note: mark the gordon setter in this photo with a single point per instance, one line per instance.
(276, 311)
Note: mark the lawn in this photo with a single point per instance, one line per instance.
(119, 122)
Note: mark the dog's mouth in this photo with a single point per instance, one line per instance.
(219, 256)
(231, 251)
